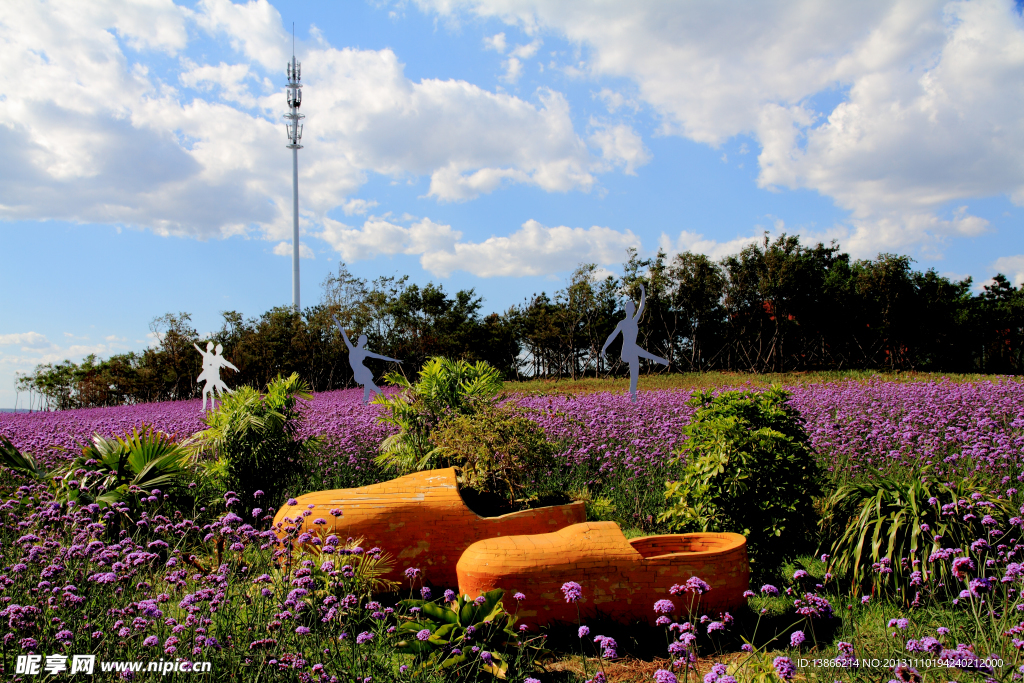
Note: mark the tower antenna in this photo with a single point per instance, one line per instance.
(294, 127)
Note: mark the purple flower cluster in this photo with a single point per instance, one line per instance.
(856, 426)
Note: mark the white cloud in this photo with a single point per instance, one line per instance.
(254, 29)
(534, 249)
(496, 43)
(285, 249)
(28, 340)
(381, 237)
(89, 135)
(1012, 267)
(620, 146)
(144, 24)
(614, 100)
(358, 206)
(468, 140)
(527, 51)
(229, 77)
(698, 244)
(513, 70)
(929, 93)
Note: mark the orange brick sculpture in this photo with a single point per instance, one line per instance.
(621, 579)
(421, 520)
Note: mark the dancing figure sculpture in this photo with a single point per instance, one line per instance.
(356, 355)
(631, 353)
(213, 361)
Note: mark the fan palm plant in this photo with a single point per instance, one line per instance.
(445, 387)
(118, 470)
(252, 439)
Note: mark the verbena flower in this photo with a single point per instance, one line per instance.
(784, 668)
(572, 591)
(664, 607)
(663, 676)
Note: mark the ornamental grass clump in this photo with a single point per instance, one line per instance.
(895, 533)
(747, 467)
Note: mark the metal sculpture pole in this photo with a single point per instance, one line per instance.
(294, 135)
(631, 353)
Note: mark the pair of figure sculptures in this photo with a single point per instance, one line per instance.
(358, 353)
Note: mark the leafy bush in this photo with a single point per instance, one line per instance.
(876, 528)
(445, 387)
(747, 468)
(252, 441)
(456, 627)
(498, 450)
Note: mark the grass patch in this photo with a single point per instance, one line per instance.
(689, 381)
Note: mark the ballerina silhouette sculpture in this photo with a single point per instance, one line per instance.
(631, 353)
(213, 361)
(356, 355)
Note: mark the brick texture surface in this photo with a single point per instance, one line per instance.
(621, 579)
(420, 520)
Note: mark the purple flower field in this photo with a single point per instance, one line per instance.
(257, 606)
(855, 426)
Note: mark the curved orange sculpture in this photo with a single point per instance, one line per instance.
(621, 579)
(420, 519)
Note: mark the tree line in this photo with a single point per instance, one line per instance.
(776, 306)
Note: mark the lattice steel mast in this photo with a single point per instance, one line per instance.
(294, 135)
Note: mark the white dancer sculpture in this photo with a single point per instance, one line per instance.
(356, 355)
(213, 361)
(631, 353)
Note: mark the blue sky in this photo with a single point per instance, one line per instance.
(492, 144)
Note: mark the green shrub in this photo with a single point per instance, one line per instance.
(498, 450)
(252, 440)
(460, 625)
(445, 387)
(889, 523)
(747, 468)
